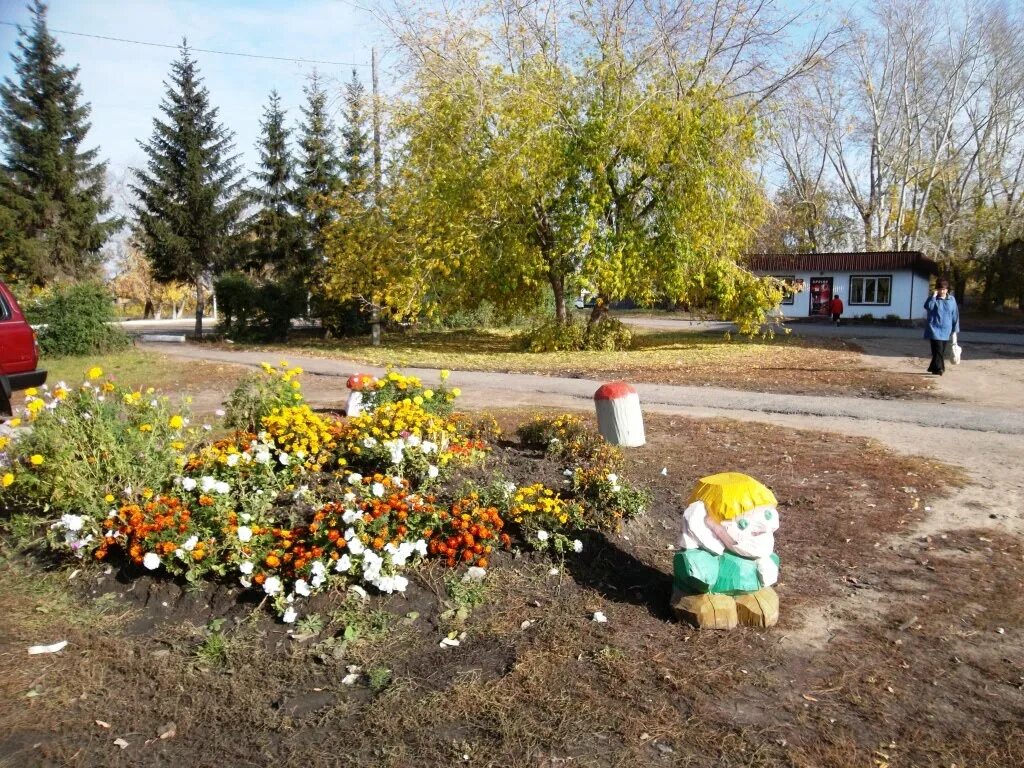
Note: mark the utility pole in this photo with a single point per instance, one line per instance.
(375, 308)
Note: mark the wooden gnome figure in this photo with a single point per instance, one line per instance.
(727, 565)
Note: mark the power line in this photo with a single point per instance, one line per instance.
(199, 50)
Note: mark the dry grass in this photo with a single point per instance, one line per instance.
(782, 364)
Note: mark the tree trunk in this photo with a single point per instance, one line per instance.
(199, 309)
(147, 312)
(375, 323)
(600, 310)
(558, 287)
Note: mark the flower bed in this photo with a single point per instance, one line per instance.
(280, 499)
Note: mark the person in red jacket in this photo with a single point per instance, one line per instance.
(836, 308)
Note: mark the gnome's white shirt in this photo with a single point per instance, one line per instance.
(750, 535)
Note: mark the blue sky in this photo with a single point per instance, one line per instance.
(124, 82)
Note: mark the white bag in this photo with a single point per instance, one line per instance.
(957, 350)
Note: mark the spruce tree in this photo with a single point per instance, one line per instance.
(319, 169)
(189, 198)
(274, 231)
(356, 151)
(52, 200)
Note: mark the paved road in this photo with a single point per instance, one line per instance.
(516, 389)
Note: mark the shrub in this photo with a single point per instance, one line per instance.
(604, 335)
(394, 387)
(79, 320)
(258, 394)
(96, 444)
(258, 311)
(341, 318)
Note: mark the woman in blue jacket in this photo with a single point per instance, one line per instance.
(943, 321)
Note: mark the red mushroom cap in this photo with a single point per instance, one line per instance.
(614, 390)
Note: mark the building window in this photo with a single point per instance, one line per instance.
(791, 287)
(871, 289)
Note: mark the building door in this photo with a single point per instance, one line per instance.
(821, 296)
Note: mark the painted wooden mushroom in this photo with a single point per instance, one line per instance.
(619, 418)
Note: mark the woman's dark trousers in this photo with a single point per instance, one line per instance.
(938, 356)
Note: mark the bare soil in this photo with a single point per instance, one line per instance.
(893, 648)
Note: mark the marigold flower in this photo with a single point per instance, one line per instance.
(176, 422)
(36, 459)
(8, 479)
(95, 372)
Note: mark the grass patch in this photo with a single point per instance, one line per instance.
(781, 364)
(136, 368)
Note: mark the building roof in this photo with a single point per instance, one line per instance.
(864, 261)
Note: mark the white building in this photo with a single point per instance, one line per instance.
(879, 284)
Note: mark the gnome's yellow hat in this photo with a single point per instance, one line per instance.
(730, 494)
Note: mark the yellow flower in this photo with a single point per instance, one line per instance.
(3, 442)
(147, 493)
(60, 393)
(428, 394)
(445, 373)
(13, 422)
(31, 392)
(150, 390)
(107, 387)
(456, 392)
(36, 459)
(109, 498)
(176, 422)
(8, 479)
(178, 445)
(95, 372)
(418, 400)
(295, 385)
(146, 428)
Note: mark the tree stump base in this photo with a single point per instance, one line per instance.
(758, 609)
(705, 611)
(718, 611)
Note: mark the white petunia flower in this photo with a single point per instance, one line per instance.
(577, 545)
(302, 588)
(151, 561)
(378, 489)
(284, 458)
(428, 447)
(190, 544)
(349, 497)
(343, 564)
(613, 478)
(72, 522)
(245, 567)
(369, 442)
(189, 484)
(222, 487)
(350, 515)
(432, 471)
(262, 456)
(290, 616)
(207, 483)
(244, 534)
(354, 478)
(272, 585)
(542, 535)
(233, 459)
(318, 574)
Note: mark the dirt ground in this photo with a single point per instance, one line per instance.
(901, 641)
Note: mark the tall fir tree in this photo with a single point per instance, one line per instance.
(274, 231)
(356, 158)
(189, 191)
(52, 200)
(319, 171)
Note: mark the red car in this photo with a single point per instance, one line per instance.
(19, 352)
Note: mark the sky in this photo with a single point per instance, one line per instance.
(124, 82)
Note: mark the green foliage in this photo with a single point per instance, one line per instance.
(378, 678)
(341, 317)
(466, 594)
(605, 334)
(318, 171)
(189, 191)
(273, 235)
(51, 190)
(356, 151)
(258, 311)
(79, 321)
(257, 394)
(102, 440)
